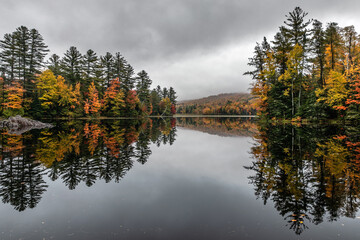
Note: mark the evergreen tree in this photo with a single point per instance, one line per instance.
(22, 41)
(107, 63)
(333, 41)
(172, 95)
(296, 27)
(155, 99)
(165, 93)
(143, 90)
(318, 49)
(350, 40)
(128, 80)
(142, 86)
(54, 64)
(281, 48)
(90, 69)
(71, 65)
(38, 51)
(119, 66)
(8, 56)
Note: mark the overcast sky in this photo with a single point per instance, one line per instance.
(200, 47)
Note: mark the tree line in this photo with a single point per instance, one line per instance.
(307, 71)
(75, 84)
(222, 104)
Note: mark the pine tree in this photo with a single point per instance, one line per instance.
(107, 63)
(119, 66)
(8, 56)
(318, 49)
(165, 93)
(128, 80)
(90, 69)
(22, 38)
(142, 86)
(296, 27)
(54, 64)
(350, 40)
(38, 51)
(71, 65)
(172, 95)
(333, 41)
(258, 61)
(155, 99)
(143, 90)
(281, 48)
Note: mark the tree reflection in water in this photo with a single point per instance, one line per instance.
(75, 152)
(311, 173)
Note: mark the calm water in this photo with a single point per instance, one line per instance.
(190, 178)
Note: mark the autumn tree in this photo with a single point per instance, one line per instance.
(292, 77)
(113, 102)
(56, 96)
(92, 103)
(13, 99)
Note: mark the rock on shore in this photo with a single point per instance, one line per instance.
(19, 125)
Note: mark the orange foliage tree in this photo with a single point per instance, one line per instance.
(113, 101)
(14, 99)
(92, 103)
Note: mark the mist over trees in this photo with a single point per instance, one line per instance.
(75, 84)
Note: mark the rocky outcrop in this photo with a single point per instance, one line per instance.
(19, 125)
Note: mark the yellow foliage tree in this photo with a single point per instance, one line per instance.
(335, 91)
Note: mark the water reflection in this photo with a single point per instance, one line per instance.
(220, 126)
(75, 152)
(311, 173)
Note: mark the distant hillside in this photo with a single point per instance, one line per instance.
(222, 104)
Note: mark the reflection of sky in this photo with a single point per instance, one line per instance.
(194, 189)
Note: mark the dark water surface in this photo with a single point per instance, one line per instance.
(190, 178)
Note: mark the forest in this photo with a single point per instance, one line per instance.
(221, 104)
(308, 71)
(74, 85)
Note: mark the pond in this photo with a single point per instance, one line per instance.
(184, 178)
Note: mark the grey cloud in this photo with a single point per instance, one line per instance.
(157, 33)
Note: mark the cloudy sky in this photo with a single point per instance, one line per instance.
(200, 47)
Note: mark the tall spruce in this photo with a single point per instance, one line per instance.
(8, 56)
(38, 51)
(107, 63)
(90, 69)
(143, 85)
(282, 47)
(296, 27)
(128, 80)
(71, 65)
(318, 50)
(333, 41)
(54, 64)
(172, 95)
(119, 66)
